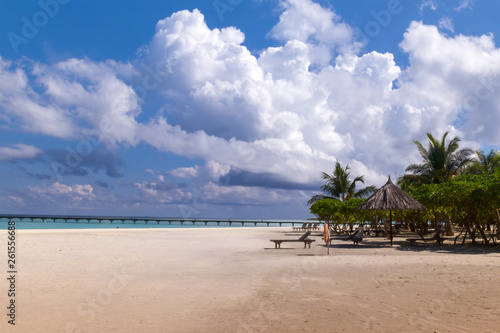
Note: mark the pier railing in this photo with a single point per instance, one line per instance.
(148, 220)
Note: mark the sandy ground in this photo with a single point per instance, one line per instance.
(233, 280)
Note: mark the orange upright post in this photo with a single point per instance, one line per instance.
(326, 236)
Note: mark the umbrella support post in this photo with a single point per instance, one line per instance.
(390, 223)
(390, 197)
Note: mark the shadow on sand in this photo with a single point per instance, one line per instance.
(341, 242)
(402, 245)
(478, 249)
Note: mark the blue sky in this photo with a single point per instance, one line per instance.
(231, 108)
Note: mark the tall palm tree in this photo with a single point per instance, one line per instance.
(440, 162)
(485, 163)
(339, 186)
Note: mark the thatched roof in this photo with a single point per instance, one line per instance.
(391, 197)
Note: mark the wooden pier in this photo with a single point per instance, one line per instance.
(146, 220)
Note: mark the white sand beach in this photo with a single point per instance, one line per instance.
(233, 280)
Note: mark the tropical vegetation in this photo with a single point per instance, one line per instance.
(340, 198)
(459, 186)
(441, 162)
(340, 187)
(469, 202)
(342, 215)
(485, 163)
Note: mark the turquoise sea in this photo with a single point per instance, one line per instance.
(40, 224)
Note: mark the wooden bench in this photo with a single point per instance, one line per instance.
(303, 238)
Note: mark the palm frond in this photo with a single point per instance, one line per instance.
(440, 162)
(338, 185)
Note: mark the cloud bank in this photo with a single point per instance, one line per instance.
(267, 121)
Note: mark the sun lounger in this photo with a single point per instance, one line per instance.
(355, 240)
(303, 238)
(303, 227)
(356, 237)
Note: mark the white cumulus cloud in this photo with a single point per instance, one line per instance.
(18, 152)
(57, 190)
(308, 22)
(282, 115)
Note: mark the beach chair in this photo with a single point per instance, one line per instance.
(355, 240)
(356, 237)
(300, 228)
(303, 238)
(315, 227)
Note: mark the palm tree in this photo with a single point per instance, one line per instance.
(338, 186)
(440, 162)
(485, 163)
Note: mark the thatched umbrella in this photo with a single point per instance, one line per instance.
(390, 197)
